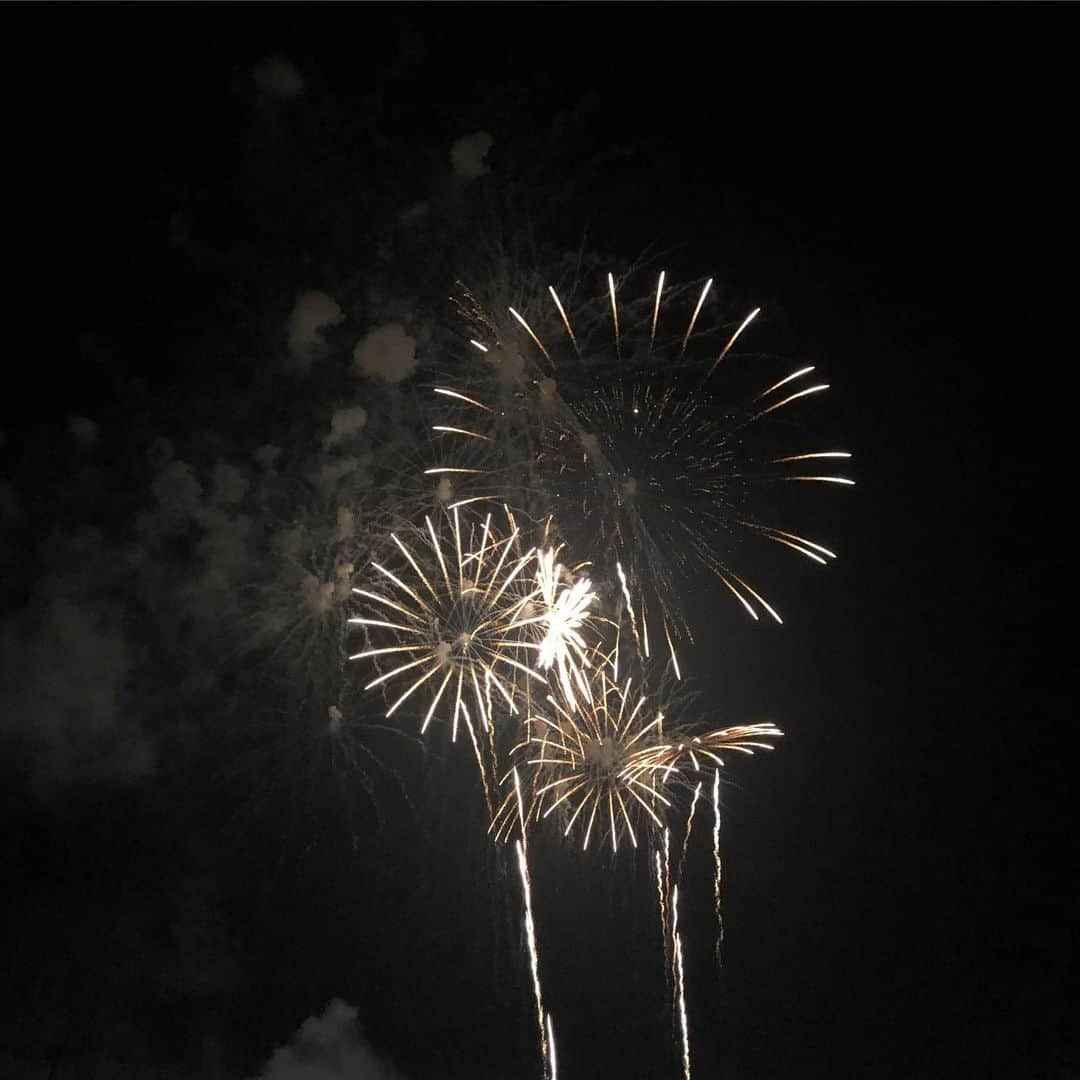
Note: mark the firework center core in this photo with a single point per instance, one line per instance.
(603, 755)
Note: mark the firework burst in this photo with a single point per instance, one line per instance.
(613, 760)
(646, 465)
(472, 617)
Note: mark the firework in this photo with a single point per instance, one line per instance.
(470, 615)
(618, 431)
(612, 760)
(645, 463)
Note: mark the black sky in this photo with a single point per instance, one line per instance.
(890, 184)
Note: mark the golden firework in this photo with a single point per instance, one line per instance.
(609, 760)
(471, 615)
(649, 468)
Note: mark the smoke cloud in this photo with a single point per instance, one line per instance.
(329, 1047)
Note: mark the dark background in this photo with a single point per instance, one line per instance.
(890, 184)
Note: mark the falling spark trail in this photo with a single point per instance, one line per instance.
(629, 603)
(717, 868)
(534, 958)
(670, 914)
(689, 828)
(551, 1048)
(680, 982)
(661, 893)
(671, 648)
(479, 760)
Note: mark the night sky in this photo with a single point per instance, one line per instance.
(195, 864)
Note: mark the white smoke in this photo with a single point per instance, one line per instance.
(277, 77)
(84, 431)
(63, 691)
(329, 1047)
(386, 352)
(467, 154)
(313, 313)
(344, 423)
(229, 484)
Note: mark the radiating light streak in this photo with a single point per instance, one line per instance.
(739, 596)
(671, 649)
(759, 598)
(784, 381)
(656, 309)
(614, 315)
(792, 397)
(697, 312)
(801, 540)
(461, 431)
(529, 330)
(807, 457)
(734, 337)
(566, 321)
(447, 392)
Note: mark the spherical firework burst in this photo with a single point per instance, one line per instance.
(473, 617)
(614, 759)
(649, 470)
